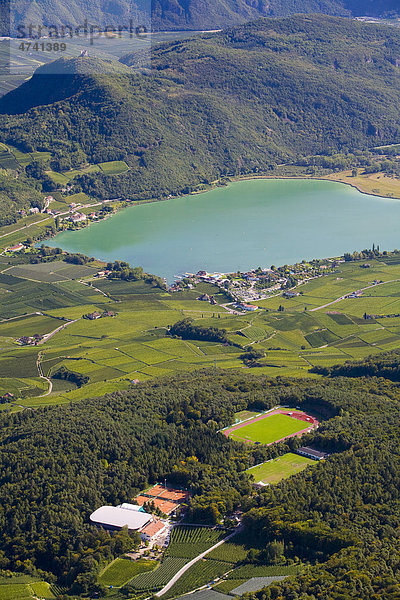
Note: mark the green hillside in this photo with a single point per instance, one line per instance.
(228, 103)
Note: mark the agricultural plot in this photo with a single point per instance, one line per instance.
(268, 430)
(280, 468)
(114, 167)
(256, 583)
(18, 591)
(203, 572)
(25, 591)
(231, 551)
(28, 326)
(51, 271)
(122, 570)
(188, 542)
(156, 579)
(251, 570)
(293, 341)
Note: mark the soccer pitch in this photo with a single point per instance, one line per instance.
(280, 468)
(268, 430)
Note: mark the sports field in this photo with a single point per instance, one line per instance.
(269, 428)
(280, 468)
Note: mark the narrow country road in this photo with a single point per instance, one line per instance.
(193, 562)
(48, 336)
(40, 371)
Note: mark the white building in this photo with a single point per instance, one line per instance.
(131, 516)
(115, 517)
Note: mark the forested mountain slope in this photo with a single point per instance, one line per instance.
(186, 14)
(226, 103)
(344, 513)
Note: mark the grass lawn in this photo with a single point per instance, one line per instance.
(122, 570)
(280, 468)
(268, 430)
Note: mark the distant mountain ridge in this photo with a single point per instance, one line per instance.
(231, 103)
(186, 14)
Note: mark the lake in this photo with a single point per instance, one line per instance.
(244, 225)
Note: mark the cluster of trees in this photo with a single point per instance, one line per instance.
(366, 254)
(76, 258)
(186, 330)
(15, 195)
(78, 378)
(122, 270)
(251, 356)
(386, 365)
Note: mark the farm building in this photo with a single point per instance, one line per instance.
(312, 453)
(248, 307)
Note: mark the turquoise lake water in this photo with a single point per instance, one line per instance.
(241, 226)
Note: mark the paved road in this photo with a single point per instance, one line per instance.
(194, 561)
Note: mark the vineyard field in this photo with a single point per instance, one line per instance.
(188, 542)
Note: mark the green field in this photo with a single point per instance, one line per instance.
(280, 468)
(122, 570)
(114, 167)
(17, 590)
(268, 430)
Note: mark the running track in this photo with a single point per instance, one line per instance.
(301, 416)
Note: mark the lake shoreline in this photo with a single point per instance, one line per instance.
(252, 222)
(217, 185)
(312, 178)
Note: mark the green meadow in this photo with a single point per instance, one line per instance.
(312, 329)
